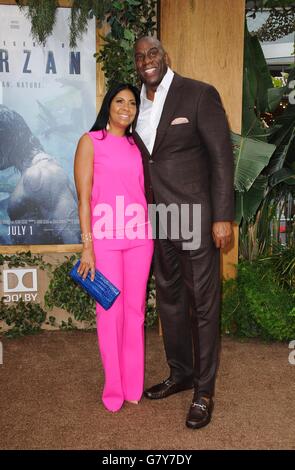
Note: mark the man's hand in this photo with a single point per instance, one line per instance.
(222, 234)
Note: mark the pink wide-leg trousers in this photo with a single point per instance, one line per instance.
(120, 329)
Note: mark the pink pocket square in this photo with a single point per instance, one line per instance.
(179, 120)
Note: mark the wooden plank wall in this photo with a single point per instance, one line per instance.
(205, 41)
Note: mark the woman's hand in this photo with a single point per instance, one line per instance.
(87, 263)
(83, 172)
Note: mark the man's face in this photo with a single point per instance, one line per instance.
(151, 62)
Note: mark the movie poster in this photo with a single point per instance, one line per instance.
(47, 101)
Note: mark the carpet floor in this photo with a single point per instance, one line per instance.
(50, 388)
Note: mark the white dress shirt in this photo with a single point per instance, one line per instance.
(150, 111)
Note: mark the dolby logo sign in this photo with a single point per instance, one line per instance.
(20, 284)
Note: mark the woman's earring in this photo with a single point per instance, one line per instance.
(108, 126)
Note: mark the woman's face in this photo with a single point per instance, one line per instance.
(122, 109)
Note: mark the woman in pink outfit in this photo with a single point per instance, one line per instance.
(115, 236)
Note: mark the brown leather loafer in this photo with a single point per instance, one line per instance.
(166, 388)
(199, 414)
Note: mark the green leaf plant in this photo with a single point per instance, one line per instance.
(264, 157)
(21, 318)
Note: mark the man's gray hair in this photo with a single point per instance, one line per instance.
(156, 41)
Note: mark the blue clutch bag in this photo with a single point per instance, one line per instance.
(101, 289)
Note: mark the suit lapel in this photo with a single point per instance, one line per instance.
(170, 105)
(141, 145)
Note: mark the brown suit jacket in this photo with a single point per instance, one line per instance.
(192, 162)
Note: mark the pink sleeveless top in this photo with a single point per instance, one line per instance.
(118, 203)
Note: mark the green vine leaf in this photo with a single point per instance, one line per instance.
(118, 5)
(129, 35)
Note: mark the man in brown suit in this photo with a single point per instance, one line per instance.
(184, 137)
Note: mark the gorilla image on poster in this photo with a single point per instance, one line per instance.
(42, 205)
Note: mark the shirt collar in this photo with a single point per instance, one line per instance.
(165, 83)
